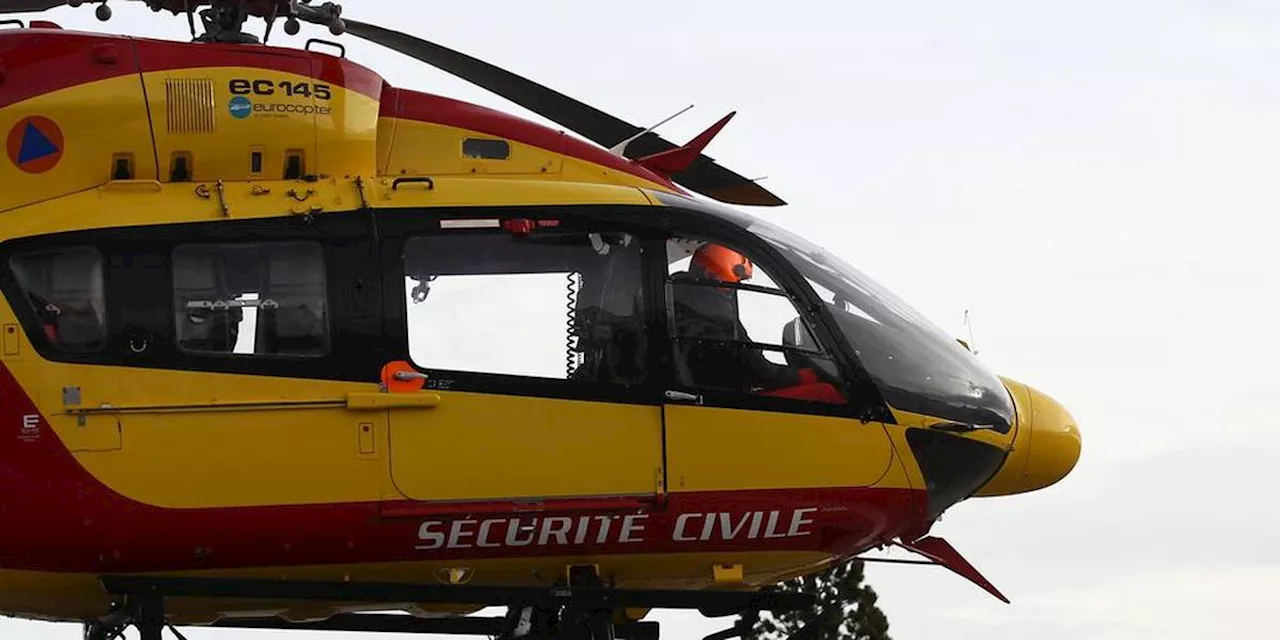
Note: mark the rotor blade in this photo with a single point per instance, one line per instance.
(703, 176)
(24, 6)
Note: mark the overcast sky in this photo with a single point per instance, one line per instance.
(1095, 181)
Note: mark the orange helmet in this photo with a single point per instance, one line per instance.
(723, 263)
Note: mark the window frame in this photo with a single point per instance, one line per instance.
(863, 399)
(140, 303)
(329, 324)
(737, 286)
(29, 318)
(398, 227)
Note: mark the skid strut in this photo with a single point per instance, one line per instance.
(584, 608)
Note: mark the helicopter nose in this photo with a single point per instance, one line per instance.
(1045, 450)
(1055, 442)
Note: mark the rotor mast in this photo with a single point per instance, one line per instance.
(223, 20)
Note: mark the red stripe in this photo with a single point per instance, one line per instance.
(158, 55)
(423, 107)
(35, 63)
(58, 517)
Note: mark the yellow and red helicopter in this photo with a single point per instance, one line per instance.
(283, 344)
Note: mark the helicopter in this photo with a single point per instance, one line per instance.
(285, 345)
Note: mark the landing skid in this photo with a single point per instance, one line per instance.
(583, 609)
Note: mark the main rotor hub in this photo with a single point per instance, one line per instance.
(223, 20)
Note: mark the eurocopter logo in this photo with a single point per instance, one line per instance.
(240, 107)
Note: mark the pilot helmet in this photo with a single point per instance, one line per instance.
(723, 263)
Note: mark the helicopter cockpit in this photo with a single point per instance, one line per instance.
(734, 328)
(914, 365)
(912, 361)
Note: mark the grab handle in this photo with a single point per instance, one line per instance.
(375, 401)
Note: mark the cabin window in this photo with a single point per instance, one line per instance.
(66, 290)
(265, 299)
(734, 329)
(554, 304)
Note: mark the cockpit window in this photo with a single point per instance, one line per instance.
(733, 328)
(567, 304)
(914, 363)
(65, 289)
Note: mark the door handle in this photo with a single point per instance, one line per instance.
(958, 427)
(379, 401)
(683, 397)
(405, 376)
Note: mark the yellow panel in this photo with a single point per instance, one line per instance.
(423, 148)
(480, 447)
(347, 143)
(88, 433)
(578, 170)
(386, 142)
(186, 445)
(367, 439)
(88, 144)
(711, 449)
(495, 192)
(12, 340)
(143, 203)
(338, 136)
(222, 151)
(225, 459)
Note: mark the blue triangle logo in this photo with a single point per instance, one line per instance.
(35, 145)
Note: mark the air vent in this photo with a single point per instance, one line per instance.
(190, 103)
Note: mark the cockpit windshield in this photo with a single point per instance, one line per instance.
(914, 363)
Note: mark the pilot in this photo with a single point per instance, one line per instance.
(708, 313)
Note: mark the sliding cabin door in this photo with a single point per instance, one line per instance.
(208, 365)
(529, 328)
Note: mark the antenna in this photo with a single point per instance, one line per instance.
(969, 325)
(621, 148)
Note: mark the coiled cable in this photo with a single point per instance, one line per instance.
(571, 325)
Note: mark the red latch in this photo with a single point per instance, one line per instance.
(106, 54)
(402, 377)
(45, 24)
(519, 226)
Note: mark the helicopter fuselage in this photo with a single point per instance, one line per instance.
(153, 190)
